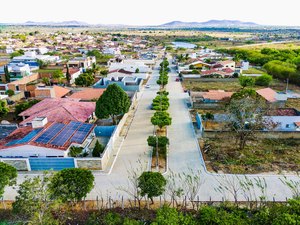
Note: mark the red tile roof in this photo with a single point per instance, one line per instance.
(60, 110)
(88, 94)
(268, 94)
(217, 95)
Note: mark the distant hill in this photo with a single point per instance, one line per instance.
(50, 23)
(210, 23)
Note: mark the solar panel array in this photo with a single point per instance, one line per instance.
(25, 139)
(65, 134)
(81, 133)
(49, 134)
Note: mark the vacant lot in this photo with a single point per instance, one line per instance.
(259, 156)
(230, 85)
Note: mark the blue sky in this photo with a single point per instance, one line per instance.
(152, 12)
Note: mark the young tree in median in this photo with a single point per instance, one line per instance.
(8, 176)
(71, 184)
(161, 119)
(113, 102)
(152, 184)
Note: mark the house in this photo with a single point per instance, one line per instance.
(210, 99)
(59, 110)
(122, 72)
(42, 91)
(74, 73)
(82, 62)
(16, 72)
(285, 123)
(31, 59)
(225, 64)
(88, 94)
(199, 64)
(272, 97)
(45, 140)
(132, 66)
(127, 83)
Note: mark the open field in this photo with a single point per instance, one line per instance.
(230, 85)
(259, 156)
(288, 45)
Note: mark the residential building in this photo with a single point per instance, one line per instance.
(127, 83)
(88, 94)
(59, 110)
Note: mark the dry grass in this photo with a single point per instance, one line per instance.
(259, 156)
(232, 85)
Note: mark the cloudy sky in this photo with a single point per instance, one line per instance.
(151, 12)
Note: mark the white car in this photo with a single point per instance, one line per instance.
(147, 86)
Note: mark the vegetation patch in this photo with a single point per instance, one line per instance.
(259, 156)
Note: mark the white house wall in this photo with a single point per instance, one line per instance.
(30, 150)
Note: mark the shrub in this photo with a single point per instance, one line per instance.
(264, 80)
(98, 149)
(10, 92)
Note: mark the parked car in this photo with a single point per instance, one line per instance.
(177, 79)
(147, 86)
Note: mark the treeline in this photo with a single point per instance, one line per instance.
(194, 39)
(270, 214)
(281, 64)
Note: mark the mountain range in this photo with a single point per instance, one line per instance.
(173, 24)
(210, 23)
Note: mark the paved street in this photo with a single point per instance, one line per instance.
(184, 151)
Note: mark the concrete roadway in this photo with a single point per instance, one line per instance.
(184, 153)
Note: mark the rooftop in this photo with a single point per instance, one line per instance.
(60, 110)
(88, 94)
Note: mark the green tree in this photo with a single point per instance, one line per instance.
(161, 119)
(98, 149)
(264, 80)
(24, 106)
(245, 112)
(75, 151)
(10, 92)
(246, 81)
(15, 54)
(58, 74)
(113, 102)
(8, 176)
(34, 202)
(7, 74)
(3, 108)
(68, 74)
(152, 184)
(85, 80)
(71, 184)
(160, 142)
(137, 70)
(46, 81)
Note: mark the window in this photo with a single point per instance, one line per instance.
(17, 88)
(287, 126)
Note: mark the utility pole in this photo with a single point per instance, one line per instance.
(287, 85)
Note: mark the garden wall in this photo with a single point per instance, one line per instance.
(19, 164)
